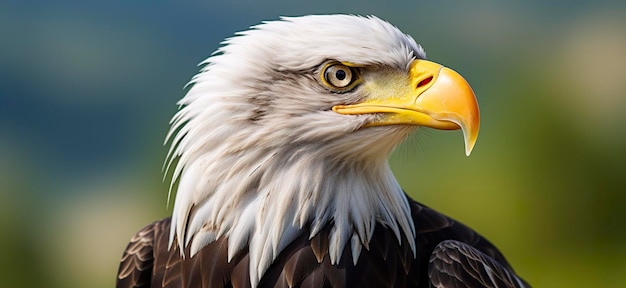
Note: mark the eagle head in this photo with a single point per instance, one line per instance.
(287, 129)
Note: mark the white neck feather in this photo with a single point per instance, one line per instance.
(263, 198)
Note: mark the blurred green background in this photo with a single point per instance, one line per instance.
(87, 89)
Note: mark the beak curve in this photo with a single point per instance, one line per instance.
(436, 97)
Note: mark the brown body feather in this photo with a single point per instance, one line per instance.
(449, 254)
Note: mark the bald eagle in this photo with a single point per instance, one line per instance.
(282, 143)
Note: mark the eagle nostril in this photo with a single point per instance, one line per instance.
(424, 82)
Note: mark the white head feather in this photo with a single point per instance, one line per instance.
(262, 155)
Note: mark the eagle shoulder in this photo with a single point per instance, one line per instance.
(453, 255)
(136, 265)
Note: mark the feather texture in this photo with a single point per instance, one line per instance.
(449, 254)
(255, 121)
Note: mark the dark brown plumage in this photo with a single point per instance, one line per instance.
(445, 251)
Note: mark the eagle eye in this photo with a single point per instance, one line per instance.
(339, 77)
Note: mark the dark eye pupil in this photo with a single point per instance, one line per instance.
(340, 74)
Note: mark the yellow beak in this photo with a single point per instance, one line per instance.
(436, 97)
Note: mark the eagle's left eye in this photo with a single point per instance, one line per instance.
(339, 76)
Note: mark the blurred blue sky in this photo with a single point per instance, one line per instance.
(87, 89)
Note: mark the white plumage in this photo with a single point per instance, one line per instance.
(244, 140)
